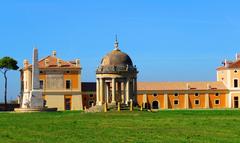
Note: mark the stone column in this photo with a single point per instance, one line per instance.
(186, 101)
(127, 91)
(97, 91)
(113, 90)
(206, 100)
(107, 92)
(101, 91)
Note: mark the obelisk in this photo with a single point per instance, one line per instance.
(32, 98)
(35, 70)
(36, 100)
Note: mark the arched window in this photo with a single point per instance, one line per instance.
(155, 105)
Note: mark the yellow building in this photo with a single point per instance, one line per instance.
(61, 86)
(159, 95)
(182, 95)
(224, 93)
(60, 82)
(229, 74)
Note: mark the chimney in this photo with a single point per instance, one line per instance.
(237, 56)
(46, 62)
(59, 62)
(188, 87)
(209, 86)
(25, 63)
(54, 53)
(77, 62)
(226, 63)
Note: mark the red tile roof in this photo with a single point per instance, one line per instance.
(167, 86)
(52, 63)
(235, 64)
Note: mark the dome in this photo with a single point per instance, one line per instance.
(116, 62)
(116, 58)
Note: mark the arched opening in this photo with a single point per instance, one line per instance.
(91, 103)
(155, 105)
(44, 103)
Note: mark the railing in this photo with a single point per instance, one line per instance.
(115, 69)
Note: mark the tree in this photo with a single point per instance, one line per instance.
(6, 64)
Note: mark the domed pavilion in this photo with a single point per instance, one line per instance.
(116, 78)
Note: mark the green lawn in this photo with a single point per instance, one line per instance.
(164, 126)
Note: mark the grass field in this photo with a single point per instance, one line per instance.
(164, 126)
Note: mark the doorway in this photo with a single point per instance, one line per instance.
(67, 102)
(235, 102)
(155, 105)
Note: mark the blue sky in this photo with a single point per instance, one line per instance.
(168, 40)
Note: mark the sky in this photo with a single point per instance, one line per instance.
(168, 40)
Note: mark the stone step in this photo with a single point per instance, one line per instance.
(110, 107)
(97, 108)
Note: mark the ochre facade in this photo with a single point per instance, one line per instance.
(183, 100)
(60, 82)
(117, 82)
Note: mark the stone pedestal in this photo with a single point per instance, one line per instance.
(25, 100)
(36, 100)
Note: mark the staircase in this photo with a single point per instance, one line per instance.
(97, 108)
(110, 107)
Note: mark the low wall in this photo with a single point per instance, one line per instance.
(10, 107)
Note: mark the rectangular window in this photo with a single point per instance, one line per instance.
(175, 102)
(68, 84)
(41, 84)
(236, 98)
(235, 83)
(236, 102)
(217, 102)
(196, 102)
